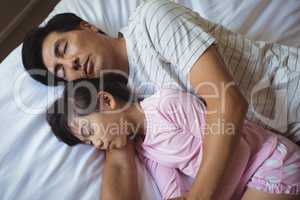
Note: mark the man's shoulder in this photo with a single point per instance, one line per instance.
(154, 4)
(150, 9)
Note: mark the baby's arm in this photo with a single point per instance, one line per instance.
(120, 175)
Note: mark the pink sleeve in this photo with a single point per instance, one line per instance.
(183, 109)
(168, 180)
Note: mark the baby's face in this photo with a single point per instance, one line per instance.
(104, 131)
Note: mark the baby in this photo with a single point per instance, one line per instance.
(168, 132)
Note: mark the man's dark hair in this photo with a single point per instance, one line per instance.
(79, 94)
(32, 45)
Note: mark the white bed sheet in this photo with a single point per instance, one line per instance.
(34, 165)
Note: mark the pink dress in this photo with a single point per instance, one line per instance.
(172, 150)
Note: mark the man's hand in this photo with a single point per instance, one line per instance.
(120, 175)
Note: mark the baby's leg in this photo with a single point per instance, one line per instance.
(251, 194)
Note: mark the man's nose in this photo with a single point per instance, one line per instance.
(72, 63)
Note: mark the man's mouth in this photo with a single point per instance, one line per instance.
(88, 66)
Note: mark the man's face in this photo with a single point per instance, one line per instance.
(76, 54)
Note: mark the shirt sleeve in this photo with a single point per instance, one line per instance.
(178, 34)
(169, 181)
(187, 111)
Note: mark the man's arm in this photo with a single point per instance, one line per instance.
(226, 109)
(120, 175)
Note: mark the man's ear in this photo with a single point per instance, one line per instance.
(106, 102)
(87, 26)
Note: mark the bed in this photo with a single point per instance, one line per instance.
(34, 165)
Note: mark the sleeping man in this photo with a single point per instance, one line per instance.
(168, 45)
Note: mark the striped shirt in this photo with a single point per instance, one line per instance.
(164, 40)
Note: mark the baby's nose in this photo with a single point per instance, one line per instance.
(98, 144)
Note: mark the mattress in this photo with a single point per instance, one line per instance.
(34, 165)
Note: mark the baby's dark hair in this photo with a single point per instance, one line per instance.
(82, 94)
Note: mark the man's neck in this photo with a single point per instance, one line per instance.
(120, 56)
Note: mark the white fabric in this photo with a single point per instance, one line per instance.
(34, 165)
(163, 41)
